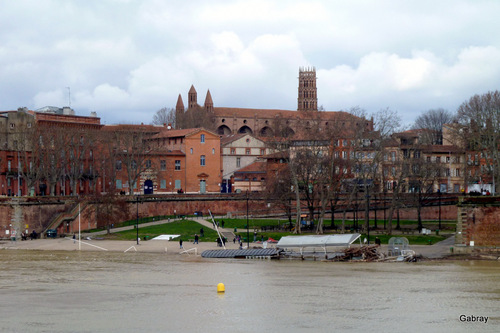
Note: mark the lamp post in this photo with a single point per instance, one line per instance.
(248, 232)
(137, 220)
(367, 214)
(439, 203)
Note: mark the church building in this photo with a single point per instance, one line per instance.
(271, 122)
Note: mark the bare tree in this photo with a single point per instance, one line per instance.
(433, 121)
(133, 152)
(479, 129)
(194, 118)
(24, 143)
(164, 116)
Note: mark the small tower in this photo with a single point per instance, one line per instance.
(308, 98)
(179, 112)
(209, 104)
(193, 98)
(179, 107)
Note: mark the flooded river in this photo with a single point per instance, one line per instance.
(43, 291)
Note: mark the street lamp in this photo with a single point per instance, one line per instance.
(367, 214)
(137, 220)
(248, 232)
(439, 203)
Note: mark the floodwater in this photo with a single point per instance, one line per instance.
(45, 291)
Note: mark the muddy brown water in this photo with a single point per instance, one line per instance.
(43, 291)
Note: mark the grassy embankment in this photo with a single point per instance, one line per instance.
(188, 228)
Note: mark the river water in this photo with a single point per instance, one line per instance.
(44, 291)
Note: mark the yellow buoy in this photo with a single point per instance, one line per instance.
(221, 288)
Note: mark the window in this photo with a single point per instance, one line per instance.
(163, 183)
(233, 151)
(457, 172)
(202, 138)
(344, 143)
(344, 154)
(177, 184)
(438, 159)
(238, 162)
(262, 151)
(191, 150)
(202, 160)
(119, 184)
(177, 165)
(9, 165)
(133, 165)
(163, 165)
(393, 156)
(213, 151)
(118, 165)
(148, 163)
(247, 151)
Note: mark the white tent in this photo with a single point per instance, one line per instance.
(314, 241)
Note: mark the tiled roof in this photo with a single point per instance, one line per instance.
(175, 133)
(133, 127)
(273, 113)
(233, 137)
(256, 167)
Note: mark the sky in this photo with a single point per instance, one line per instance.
(126, 59)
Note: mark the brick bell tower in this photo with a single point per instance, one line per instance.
(308, 98)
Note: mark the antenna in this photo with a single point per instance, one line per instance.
(69, 96)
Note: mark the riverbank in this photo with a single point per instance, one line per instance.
(440, 250)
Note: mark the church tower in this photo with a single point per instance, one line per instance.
(308, 98)
(179, 107)
(193, 98)
(209, 104)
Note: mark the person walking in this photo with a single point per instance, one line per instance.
(74, 238)
(195, 239)
(202, 232)
(180, 244)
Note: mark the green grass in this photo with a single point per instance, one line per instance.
(186, 228)
(258, 223)
(253, 223)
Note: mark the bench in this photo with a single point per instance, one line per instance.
(407, 231)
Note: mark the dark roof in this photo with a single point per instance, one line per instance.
(239, 253)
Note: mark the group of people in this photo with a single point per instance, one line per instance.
(221, 241)
(32, 235)
(196, 238)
